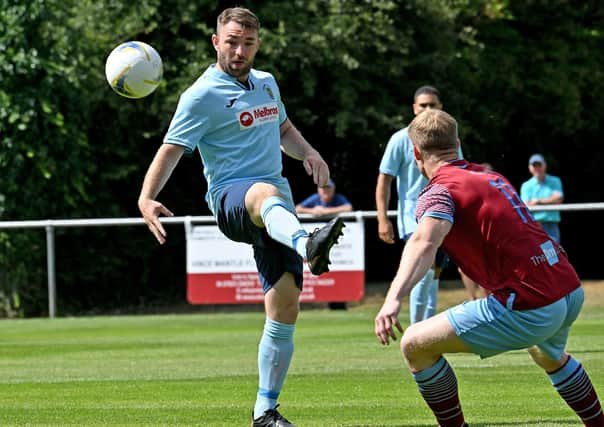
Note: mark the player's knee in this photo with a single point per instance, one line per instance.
(256, 195)
(282, 301)
(544, 361)
(410, 343)
(262, 190)
(286, 313)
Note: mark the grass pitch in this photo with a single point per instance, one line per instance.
(200, 370)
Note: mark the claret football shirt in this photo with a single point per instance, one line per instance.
(494, 239)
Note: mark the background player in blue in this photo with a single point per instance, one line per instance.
(398, 162)
(478, 218)
(543, 189)
(234, 116)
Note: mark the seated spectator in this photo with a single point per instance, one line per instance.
(325, 202)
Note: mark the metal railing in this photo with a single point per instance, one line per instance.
(51, 224)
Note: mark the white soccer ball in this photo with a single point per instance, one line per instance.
(134, 69)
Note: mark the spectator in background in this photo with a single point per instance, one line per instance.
(398, 161)
(543, 189)
(325, 202)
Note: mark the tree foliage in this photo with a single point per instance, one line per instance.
(521, 77)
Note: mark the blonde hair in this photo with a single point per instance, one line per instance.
(245, 17)
(434, 131)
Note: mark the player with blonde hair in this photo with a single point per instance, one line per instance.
(536, 295)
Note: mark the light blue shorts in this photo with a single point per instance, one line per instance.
(488, 328)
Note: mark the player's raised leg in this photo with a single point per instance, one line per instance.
(268, 208)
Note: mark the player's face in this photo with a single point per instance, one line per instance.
(236, 47)
(426, 101)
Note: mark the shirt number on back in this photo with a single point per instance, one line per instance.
(511, 195)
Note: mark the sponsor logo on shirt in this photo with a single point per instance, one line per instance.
(549, 255)
(246, 119)
(258, 115)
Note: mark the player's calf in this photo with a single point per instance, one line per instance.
(574, 386)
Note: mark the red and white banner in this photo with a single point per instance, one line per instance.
(220, 271)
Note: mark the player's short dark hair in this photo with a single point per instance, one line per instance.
(427, 90)
(245, 17)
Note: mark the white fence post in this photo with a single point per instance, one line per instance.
(50, 268)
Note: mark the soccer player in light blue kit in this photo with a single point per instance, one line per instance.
(398, 161)
(543, 189)
(234, 116)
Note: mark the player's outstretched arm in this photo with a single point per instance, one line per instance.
(418, 256)
(294, 145)
(157, 175)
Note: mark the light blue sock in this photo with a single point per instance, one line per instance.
(432, 300)
(274, 355)
(418, 297)
(282, 225)
(563, 377)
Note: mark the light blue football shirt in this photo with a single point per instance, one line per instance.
(235, 129)
(533, 189)
(398, 161)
